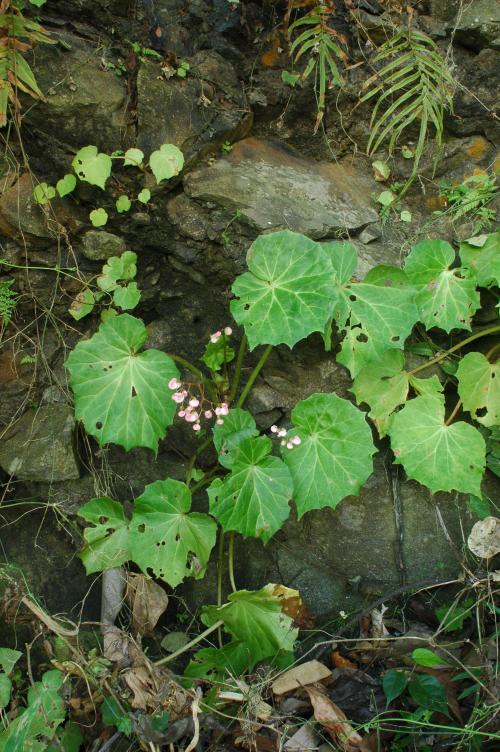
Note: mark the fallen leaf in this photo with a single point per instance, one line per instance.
(340, 661)
(378, 627)
(299, 676)
(484, 538)
(304, 740)
(333, 719)
(147, 601)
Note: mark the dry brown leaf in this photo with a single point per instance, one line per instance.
(116, 646)
(142, 683)
(333, 719)
(299, 676)
(484, 538)
(340, 661)
(304, 740)
(147, 602)
(379, 629)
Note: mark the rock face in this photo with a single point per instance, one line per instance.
(40, 446)
(272, 188)
(98, 245)
(478, 25)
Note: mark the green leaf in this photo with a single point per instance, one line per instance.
(254, 498)
(43, 193)
(82, 305)
(441, 457)
(334, 458)
(430, 385)
(425, 657)
(133, 158)
(144, 196)
(5, 690)
(479, 388)
(98, 217)
(112, 715)
(127, 297)
(480, 506)
(405, 216)
(66, 185)
(165, 538)
(381, 318)
(166, 162)
(69, 739)
(238, 425)
(385, 275)
(288, 291)
(91, 166)
(394, 683)
(484, 261)
(9, 658)
(381, 170)
(118, 268)
(123, 204)
(428, 692)
(386, 198)
(212, 664)
(107, 541)
(383, 386)
(290, 78)
(217, 352)
(447, 298)
(120, 393)
(452, 618)
(255, 618)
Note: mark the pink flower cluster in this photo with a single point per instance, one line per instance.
(192, 408)
(217, 335)
(288, 441)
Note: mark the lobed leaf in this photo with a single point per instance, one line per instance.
(91, 166)
(479, 388)
(107, 541)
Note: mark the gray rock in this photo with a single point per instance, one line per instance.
(99, 245)
(40, 446)
(274, 187)
(478, 25)
(195, 114)
(445, 10)
(190, 219)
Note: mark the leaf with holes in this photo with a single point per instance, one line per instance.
(166, 162)
(255, 618)
(441, 457)
(479, 388)
(344, 260)
(334, 457)
(121, 393)
(381, 317)
(127, 297)
(383, 386)
(288, 291)
(446, 297)
(107, 541)
(238, 425)
(484, 261)
(166, 538)
(254, 498)
(91, 166)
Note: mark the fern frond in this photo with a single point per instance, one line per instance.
(8, 300)
(415, 78)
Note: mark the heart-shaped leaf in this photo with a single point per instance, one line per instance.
(166, 162)
(66, 185)
(254, 498)
(479, 388)
(91, 166)
(441, 457)
(394, 683)
(82, 305)
(121, 394)
(166, 538)
(43, 193)
(334, 457)
(287, 293)
(133, 158)
(144, 196)
(127, 297)
(98, 217)
(447, 297)
(107, 541)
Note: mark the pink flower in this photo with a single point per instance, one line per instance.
(217, 410)
(214, 337)
(219, 421)
(224, 408)
(282, 433)
(178, 397)
(228, 331)
(191, 417)
(181, 413)
(196, 427)
(194, 402)
(296, 440)
(174, 384)
(208, 414)
(274, 429)
(289, 445)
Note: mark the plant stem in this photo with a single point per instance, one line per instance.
(196, 372)
(190, 644)
(195, 454)
(443, 355)
(453, 413)
(231, 562)
(220, 567)
(237, 371)
(258, 368)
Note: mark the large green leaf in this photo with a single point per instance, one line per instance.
(121, 394)
(441, 457)
(166, 162)
(382, 386)
(334, 458)
(92, 167)
(288, 291)
(484, 260)
(254, 498)
(447, 298)
(165, 538)
(479, 387)
(107, 541)
(255, 618)
(238, 425)
(344, 260)
(381, 318)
